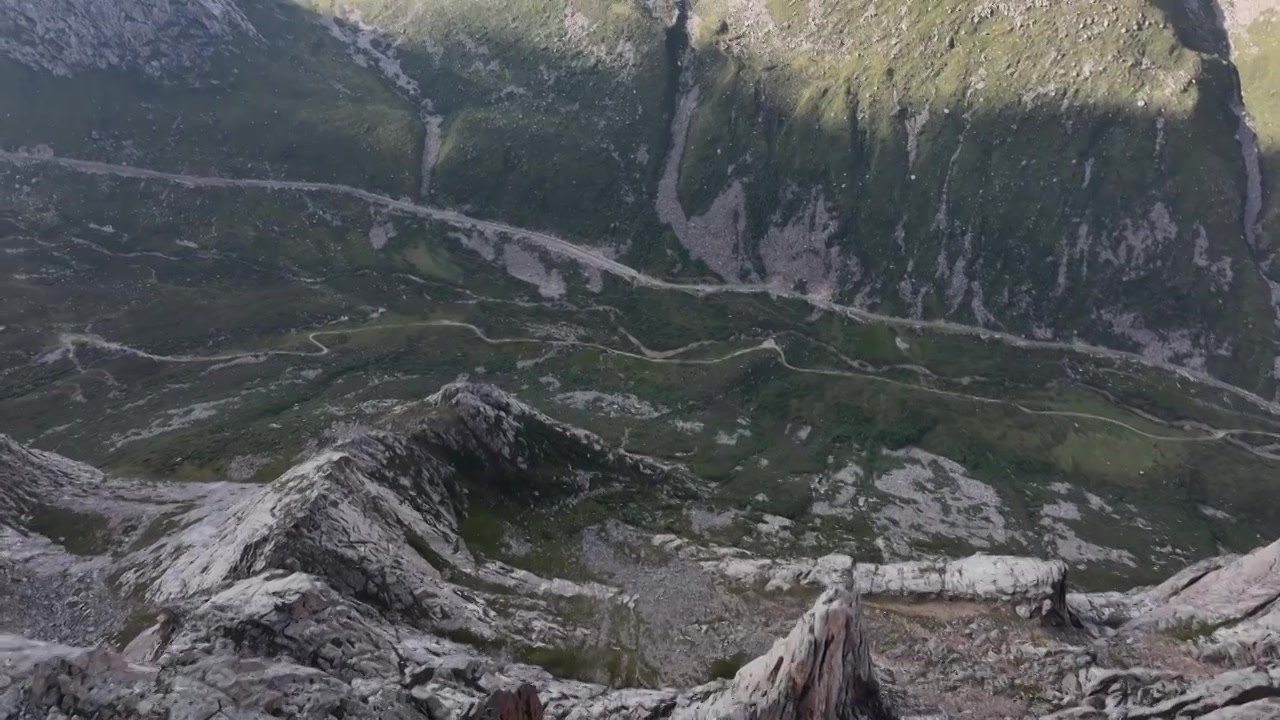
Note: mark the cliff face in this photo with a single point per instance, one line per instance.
(1026, 166)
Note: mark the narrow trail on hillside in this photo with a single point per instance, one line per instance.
(70, 341)
(590, 258)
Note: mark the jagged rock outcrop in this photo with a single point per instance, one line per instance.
(1227, 608)
(344, 588)
(377, 515)
(1232, 603)
(246, 648)
(1038, 585)
(521, 704)
(1151, 695)
(236, 624)
(821, 671)
(29, 476)
(371, 515)
(53, 517)
(288, 644)
(522, 450)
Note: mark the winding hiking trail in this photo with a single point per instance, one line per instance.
(69, 342)
(589, 258)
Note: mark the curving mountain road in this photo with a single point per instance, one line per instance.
(70, 341)
(590, 258)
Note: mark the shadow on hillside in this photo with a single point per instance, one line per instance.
(1035, 217)
(1081, 218)
(1200, 24)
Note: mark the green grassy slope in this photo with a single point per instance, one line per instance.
(1257, 54)
(1048, 169)
(208, 273)
(1071, 154)
(292, 106)
(553, 112)
(1068, 169)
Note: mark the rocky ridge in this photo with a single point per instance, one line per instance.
(344, 587)
(287, 643)
(811, 147)
(1232, 603)
(237, 620)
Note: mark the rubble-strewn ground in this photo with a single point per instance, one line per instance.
(354, 557)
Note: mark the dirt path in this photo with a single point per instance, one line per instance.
(670, 357)
(590, 258)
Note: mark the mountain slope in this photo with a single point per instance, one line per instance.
(1052, 170)
(242, 89)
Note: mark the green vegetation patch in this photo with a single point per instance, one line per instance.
(294, 107)
(80, 533)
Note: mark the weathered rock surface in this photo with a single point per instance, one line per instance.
(1226, 608)
(1148, 695)
(27, 476)
(288, 644)
(377, 515)
(344, 588)
(320, 593)
(821, 670)
(67, 36)
(340, 514)
(1038, 583)
(259, 647)
(522, 704)
(1232, 602)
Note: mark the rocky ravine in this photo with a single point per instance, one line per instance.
(343, 589)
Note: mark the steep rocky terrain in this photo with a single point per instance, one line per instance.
(858, 360)
(242, 230)
(343, 587)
